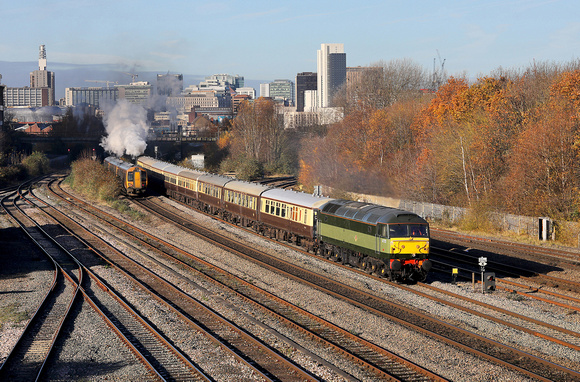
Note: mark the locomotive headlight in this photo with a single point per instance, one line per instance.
(414, 255)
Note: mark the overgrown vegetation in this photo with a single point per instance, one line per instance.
(93, 180)
(36, 164)
(17, 167)
(479, 217)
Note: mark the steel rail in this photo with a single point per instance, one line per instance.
(365, 296)
(239, 282)
(193, 308)
(28, 357)
(130, 329)
(352, 355)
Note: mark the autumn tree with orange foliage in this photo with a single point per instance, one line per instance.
(544, 176)
(510, 140)
(370, 150)
(463, 142)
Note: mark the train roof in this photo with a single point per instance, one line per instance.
(119, 163)
(168, 167)
(155, 163)
(370, 213)
(254, 189)
(297, 198)
(190, 173)
(149, 161)
(216, 180)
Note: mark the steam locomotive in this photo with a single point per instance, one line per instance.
(385, 241)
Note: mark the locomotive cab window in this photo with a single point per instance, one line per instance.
(398, 230)
(418, 230)
(130, 176)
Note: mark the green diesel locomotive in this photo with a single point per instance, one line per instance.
(387, 241)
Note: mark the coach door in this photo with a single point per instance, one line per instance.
(383, 244)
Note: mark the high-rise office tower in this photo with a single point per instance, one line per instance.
(282, 90)
(331, 61)
(43, 78)
(304, 81)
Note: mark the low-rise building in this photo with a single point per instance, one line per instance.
(26, 96)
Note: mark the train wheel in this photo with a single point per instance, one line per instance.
(383, 271)
(328, 253)
(366, 266)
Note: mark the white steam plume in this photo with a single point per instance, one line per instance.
(127, 129)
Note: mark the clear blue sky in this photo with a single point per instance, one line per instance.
(269, 40)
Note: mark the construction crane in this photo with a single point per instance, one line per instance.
(108, 82)
(133, 76)
(438, 74)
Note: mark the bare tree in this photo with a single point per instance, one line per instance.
(382, 84)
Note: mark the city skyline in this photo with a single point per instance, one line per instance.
(265, 41)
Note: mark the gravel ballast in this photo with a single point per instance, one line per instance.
(444, 360)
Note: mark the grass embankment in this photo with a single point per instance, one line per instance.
(93, 181)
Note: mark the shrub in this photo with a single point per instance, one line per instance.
(249, 169)
(12, 173)
(36, 164)
(93, 180)
(479, 217)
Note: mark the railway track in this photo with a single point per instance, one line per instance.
(27, 358)
(467, 263)
(379, 362)
(545, 255)
(249, 351)
(554, 374)
(528, 364)
(384, 364)
(30, 355)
